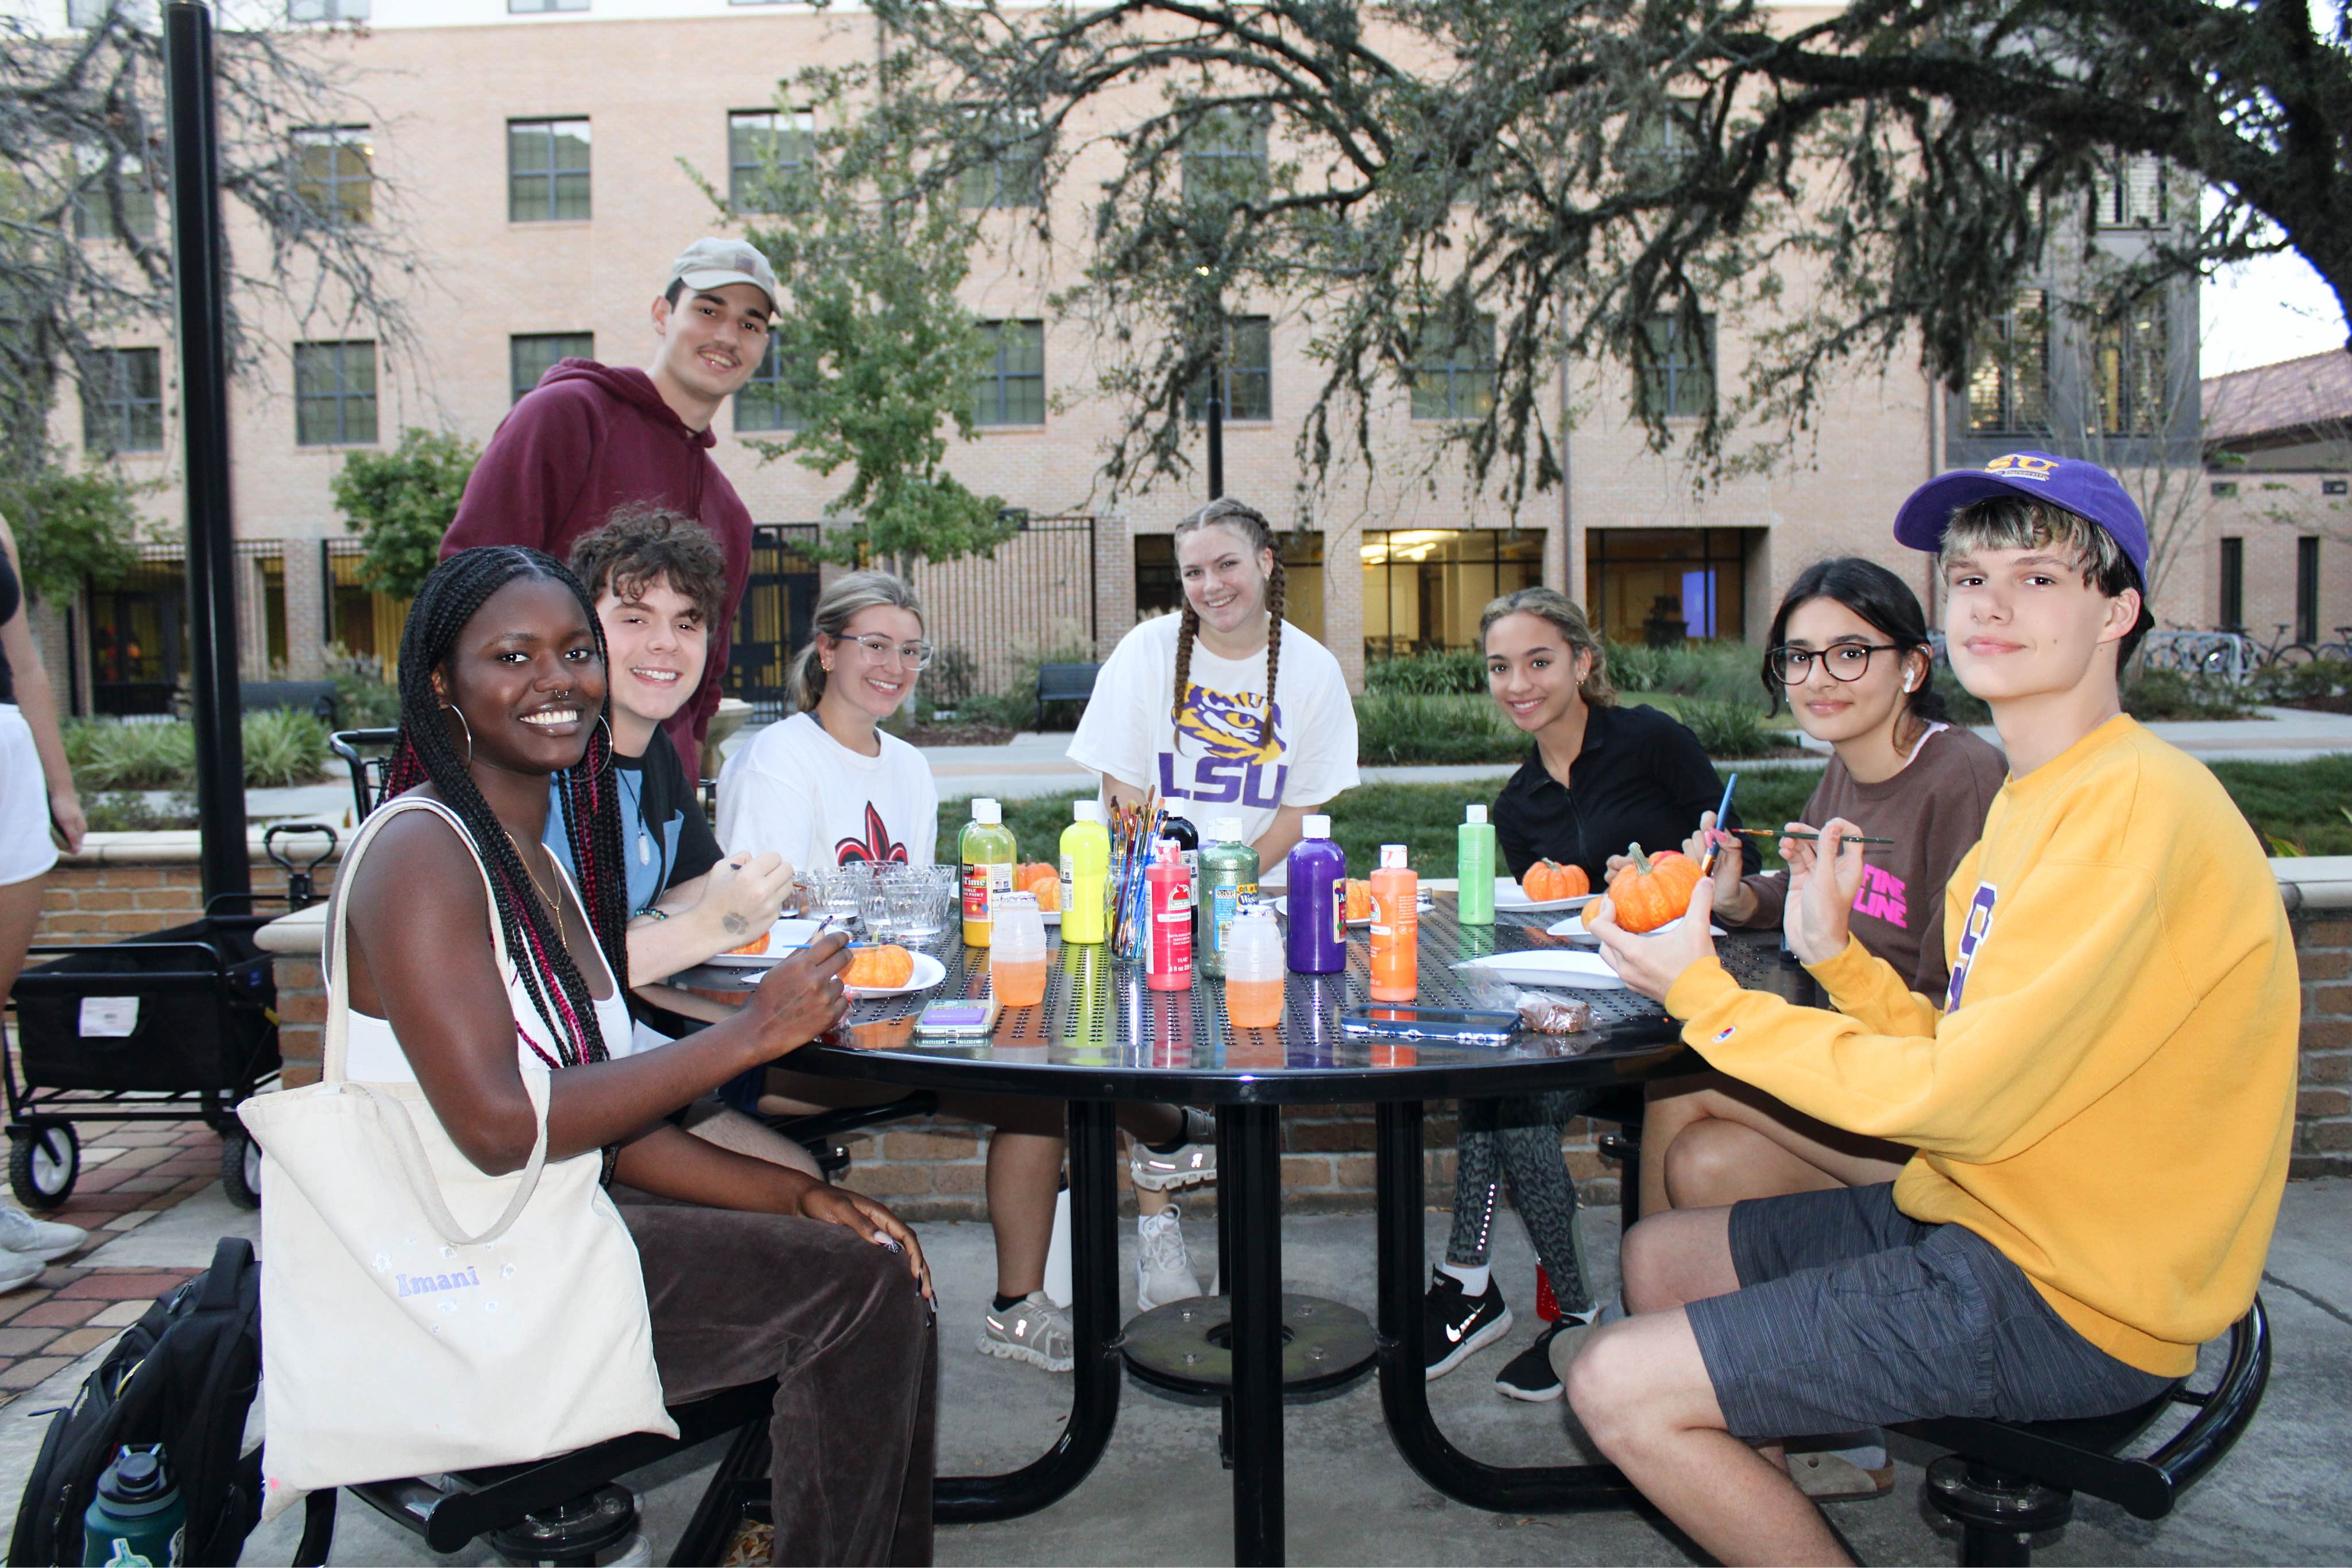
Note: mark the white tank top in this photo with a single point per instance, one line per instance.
(373, 1054)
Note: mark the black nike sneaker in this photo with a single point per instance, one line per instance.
(1455, 1325)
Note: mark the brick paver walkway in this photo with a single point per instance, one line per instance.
(131, 1171)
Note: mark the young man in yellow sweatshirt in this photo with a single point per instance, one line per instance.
(2102, 1100)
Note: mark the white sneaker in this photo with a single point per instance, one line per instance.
(1033, 1330)
(45, 1239)
(17, 1271)
(1164, 1271)
(1191, 1165)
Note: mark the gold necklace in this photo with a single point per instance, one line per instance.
(554, 909)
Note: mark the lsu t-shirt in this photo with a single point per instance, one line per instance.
(1204, 755)
(798, 791)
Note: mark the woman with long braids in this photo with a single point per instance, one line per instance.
(1225, 710)
(752, 1270)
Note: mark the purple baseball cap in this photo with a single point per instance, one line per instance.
(2069, 483)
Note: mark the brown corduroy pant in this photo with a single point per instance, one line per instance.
(838, 1323)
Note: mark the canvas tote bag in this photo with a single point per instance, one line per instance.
(419, 1316)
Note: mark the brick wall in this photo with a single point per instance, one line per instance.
(2323, 1108)
(933, 1168)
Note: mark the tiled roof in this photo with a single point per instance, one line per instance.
(2295, 394)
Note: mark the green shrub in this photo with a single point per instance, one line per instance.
(2285, 685)
(130, 813)
(1416, 727)
(1959, 705)
(281, 747)
(1730, 729)
(364, 698)
(2158, 694)
(1445, 670)
(1717, 670)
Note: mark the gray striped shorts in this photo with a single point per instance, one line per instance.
(1850, 1314)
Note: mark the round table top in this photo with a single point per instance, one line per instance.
(1101, 1034)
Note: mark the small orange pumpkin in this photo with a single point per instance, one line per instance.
(1549, 880)
(1042, 880)
(879, 968)
(1654, 890)
(755, 946)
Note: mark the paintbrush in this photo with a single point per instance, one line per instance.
(1776, 834)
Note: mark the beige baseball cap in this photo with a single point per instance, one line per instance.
(714, 263)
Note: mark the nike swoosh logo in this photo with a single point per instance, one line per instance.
(1453, 1335)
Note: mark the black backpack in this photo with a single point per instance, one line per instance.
(182, 1375)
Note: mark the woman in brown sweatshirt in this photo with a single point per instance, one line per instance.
(1849, 653)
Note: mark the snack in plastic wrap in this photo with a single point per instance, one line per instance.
(1548, 1014)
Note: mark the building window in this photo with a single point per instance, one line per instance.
(524, 7)
(2334, 486)
(116, 196)
(138, 636)
(2009, 384)
(1425, 588)
(334, 173)
(334, 394)
(1659, 586)
(1159, 591)
(763, 404)
(2130, 192)
(1247, 371)
(1664, 145)
(1454, 374)
(1015, 175)
(327, 10)
(1676, 370)
(1011, 388)
(531, 355)
(2307, 589)
(547, 170)
(1225, 158)
(2234, 584)
(2224, 489)
(123, 402)
(2129, 370)
(762, 143)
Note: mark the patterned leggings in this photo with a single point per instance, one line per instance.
(1518, 1136)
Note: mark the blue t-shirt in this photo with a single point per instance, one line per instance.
(665, 837)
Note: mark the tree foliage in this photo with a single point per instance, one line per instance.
(874, 354)
(1846, 189)
(71, 525)
(85, 226)
(401, 503)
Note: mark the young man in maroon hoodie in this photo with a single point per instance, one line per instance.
(590, 437)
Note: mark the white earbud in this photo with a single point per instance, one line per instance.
(1910, 683)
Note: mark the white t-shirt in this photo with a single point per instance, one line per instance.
(798, 791)
(1129, 729)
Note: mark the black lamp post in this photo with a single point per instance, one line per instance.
(203, 417)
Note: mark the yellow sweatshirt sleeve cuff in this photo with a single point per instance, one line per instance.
(1702, 986)
(1842, 971)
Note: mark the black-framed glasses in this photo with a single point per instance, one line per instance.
(1844, 661)
(878, 649)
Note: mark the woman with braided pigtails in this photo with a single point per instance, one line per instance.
(1223, 710)
(752, 1270)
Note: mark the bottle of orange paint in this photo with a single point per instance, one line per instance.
(1396, 928)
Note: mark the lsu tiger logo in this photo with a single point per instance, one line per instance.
(1973, 933)
(2023, 465)
(1227, 727)
(1218, 756)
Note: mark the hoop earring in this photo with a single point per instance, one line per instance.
(612, 751)
(452, 707)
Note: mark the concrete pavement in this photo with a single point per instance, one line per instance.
(1160, 1496)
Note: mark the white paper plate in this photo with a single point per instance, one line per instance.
(928, 972)
(1549, 966)
(785, 937)
(1509, 896)
(1573, 929)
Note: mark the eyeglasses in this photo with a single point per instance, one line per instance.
(878, 649)
(1844, 661)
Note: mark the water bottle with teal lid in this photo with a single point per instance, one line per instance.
(137, 1517)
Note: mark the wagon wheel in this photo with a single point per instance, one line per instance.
(241, 1170)
(44, 1162)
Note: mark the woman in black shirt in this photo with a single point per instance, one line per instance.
(1598, 778)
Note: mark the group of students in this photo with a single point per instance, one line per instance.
(2028, 1163)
